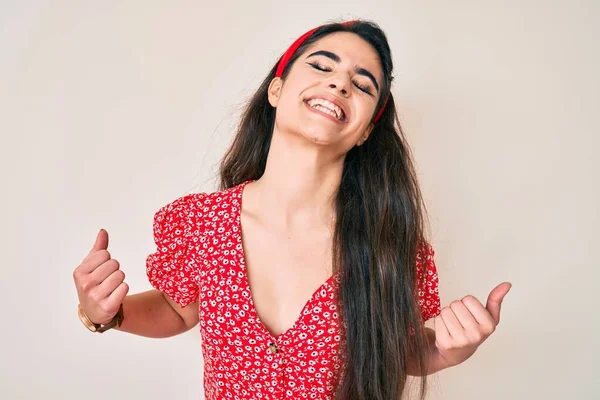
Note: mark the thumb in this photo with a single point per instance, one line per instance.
(494, 301)
(101, 242)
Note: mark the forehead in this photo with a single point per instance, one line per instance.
(351, 48)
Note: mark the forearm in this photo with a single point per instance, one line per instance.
(149, 314)
(433, 361)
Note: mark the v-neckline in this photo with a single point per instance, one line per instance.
(246, 282)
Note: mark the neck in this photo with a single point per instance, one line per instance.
(299, 183)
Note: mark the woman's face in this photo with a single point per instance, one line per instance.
(331, 91)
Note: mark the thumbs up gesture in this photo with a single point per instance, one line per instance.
(100, 283)
(465, 324)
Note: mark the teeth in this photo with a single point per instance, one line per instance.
(327, 106)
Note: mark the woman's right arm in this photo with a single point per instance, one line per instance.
(101, 290)
(153, 314)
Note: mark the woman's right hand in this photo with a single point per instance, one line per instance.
(100, 283)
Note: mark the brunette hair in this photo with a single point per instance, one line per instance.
(379, 231)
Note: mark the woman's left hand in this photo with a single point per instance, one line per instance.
(465, 324)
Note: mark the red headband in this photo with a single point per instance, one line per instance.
(292, 49)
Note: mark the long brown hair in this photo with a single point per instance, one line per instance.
(378, 231)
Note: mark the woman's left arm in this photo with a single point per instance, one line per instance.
(433, 359)
(460, 329)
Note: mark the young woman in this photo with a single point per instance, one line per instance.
(309, 270)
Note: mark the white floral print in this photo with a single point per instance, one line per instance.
(199, 257)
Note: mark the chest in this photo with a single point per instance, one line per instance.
(284, 270)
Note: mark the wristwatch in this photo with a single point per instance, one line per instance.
(117, 320)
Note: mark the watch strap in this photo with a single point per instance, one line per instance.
(116, 321)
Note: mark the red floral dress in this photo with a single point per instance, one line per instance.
(199, 257)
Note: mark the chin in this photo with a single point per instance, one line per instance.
(318, 136)
(311, 130)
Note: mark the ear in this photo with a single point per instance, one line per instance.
(365, 136)
(274, 91)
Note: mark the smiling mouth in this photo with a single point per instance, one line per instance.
(328, 108)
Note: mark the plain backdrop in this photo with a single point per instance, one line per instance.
(109, 110)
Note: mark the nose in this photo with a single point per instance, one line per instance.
(340, 83)
(342, 89)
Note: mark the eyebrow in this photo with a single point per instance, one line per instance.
(337, 59)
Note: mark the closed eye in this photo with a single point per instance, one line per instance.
(319, 67)
(363, 88)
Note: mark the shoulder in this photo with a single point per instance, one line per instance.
(201, 207)
(425, 253)
(203, 201)
(218, 202)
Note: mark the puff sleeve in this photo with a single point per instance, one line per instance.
(428, 290)
(172, 267)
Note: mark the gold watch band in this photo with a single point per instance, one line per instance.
(116, 321)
